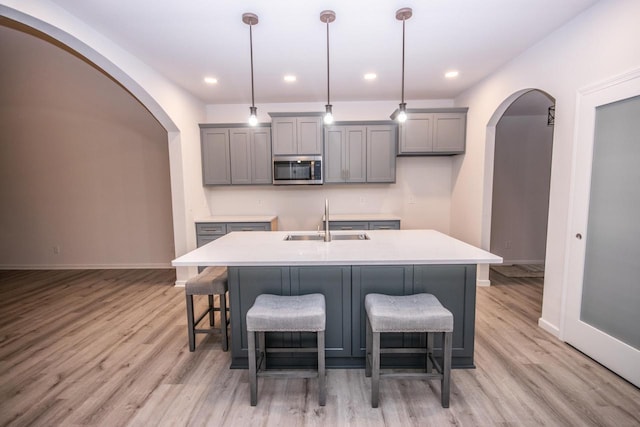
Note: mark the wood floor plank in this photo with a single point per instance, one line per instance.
(109, 348)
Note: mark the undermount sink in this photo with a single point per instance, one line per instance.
(356, 236)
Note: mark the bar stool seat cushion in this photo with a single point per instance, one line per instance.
(211, 281)
(276, 313)
(407, 313)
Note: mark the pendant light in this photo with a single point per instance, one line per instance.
(251, 19)
(402, 15)
(328, 16)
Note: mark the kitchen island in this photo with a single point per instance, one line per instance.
(396, 262)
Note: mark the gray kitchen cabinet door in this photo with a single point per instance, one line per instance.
(455, 288)
(355, 150)
(240, 149)
(261, 161)
(284, 135)
(216, 164)
(334, 142)
(345, 154)
(449, 131)
(256, 281)
(309, 135)
(433, 132)
(297, 135)
(382, 279)
(250, 155)
(416, 134)
(334, 282)
(381, 153)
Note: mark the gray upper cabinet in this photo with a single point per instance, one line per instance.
(433, 132)
(357, 153)
(295, 134)
(345, 154)
(235, 154)
(381, 153)
(216, 166)
(250, 150)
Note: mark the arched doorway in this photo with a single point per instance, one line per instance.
(86, 164)
(521, 181)
(520, 121)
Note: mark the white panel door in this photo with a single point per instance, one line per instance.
(602, 310)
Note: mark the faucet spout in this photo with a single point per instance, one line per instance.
(327, 234)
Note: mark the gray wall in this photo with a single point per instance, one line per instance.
(84, 167)
(521, 188)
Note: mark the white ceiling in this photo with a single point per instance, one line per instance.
(188, 40)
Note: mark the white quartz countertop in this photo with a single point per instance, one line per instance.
(385, 247)
(237, 218)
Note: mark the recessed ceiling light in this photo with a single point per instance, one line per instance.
(210, 80)
(370, 76)
(290, 78)
(451, 74)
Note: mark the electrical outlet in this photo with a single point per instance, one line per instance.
(362, 200)
(412, 200)
(57, 250)
(507, 244)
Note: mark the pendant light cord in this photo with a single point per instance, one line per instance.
(403, 21)
(253, 104)
(328, 78)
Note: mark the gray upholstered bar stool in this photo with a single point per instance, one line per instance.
(408, 313)
(275, 313)
(211, 281)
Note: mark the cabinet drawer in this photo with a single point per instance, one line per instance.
(248, 226)
(348, 225)
(203, 240)
(384, 225)
(209, 228)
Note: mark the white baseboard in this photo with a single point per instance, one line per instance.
(84, 266)
(180, 283)
(483, 282)
(552, 329)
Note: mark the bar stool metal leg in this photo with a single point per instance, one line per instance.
(190, 323)
(375, 375)
(428, 361)
(253, 374)
(322, 383)
(212, 317)
(367, 353)
(446, 369)
(224, 322)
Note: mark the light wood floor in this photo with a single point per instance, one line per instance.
(109, 348)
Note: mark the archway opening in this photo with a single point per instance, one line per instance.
(85, 163)
(520, 184)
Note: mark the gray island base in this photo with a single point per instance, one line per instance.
(394, 262)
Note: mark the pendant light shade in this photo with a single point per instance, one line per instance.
(251, 19)
(328, 16)
(402, 15)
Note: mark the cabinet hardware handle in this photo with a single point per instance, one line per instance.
(579, 236)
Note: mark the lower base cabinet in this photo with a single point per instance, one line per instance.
(344, 289)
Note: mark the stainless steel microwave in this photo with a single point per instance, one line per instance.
(289, 170)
